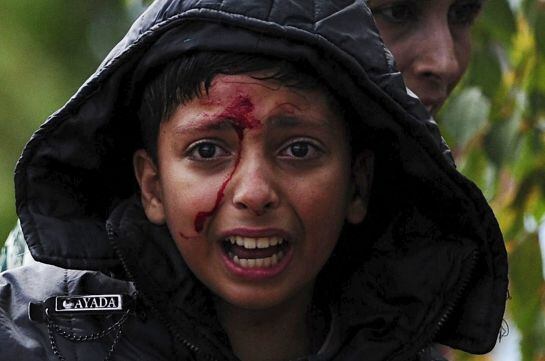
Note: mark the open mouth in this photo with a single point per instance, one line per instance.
(262, 252)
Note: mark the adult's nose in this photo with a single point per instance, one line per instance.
(254, 186)
(438, 59)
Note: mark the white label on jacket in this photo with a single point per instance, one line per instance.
(88, 303)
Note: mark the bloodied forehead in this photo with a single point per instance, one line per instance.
(246, 102)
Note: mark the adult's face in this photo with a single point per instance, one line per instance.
(430, 40)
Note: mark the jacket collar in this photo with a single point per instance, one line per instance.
(391, 306)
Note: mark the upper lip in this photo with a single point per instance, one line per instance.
(255, 233)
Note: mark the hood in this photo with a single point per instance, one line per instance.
(423, 215)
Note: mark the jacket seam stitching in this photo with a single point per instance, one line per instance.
(271, 8)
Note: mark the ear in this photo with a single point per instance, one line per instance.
(362, 177)
(147, 176)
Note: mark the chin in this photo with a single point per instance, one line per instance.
(264, 297)
(254, 300)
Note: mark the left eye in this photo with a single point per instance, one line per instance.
(301, 150)
(206, 151)
(464, 13)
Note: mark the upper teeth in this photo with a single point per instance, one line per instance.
(252, 243)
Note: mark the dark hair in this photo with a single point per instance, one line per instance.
(185, 78)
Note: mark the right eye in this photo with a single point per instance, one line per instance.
(206, 150)
(400, 12)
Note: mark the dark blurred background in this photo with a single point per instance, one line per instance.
(495, 121)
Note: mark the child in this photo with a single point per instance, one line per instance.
(291, 201)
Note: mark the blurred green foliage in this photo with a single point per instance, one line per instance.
(495, 120)
(495, 123)
(47, 49)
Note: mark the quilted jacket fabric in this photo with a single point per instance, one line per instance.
(433, 266)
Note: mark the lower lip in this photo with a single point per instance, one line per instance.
(258, 273)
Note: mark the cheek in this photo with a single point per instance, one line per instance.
(462, 48)
(322, 205)
(402, 44)
(198, 256)
(323, 212)
(188, 194)
(404, 52)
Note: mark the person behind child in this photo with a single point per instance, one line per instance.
(291, 201)
(431, 42)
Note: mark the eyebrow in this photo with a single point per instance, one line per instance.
(200, 124)
(283, 121)
(297, 122)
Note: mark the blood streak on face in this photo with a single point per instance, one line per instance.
(239, 112)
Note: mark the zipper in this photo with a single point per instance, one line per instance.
(449, 309)
(463, 286)
(190, 346)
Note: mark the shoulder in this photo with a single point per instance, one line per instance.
(19, 337)
(21, 285)
(22, 338)
(37, 281)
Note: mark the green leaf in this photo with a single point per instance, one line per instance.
(530, 155)
(485, 70)
(539, 30)
(529, 191)
(476, 166)
(527, 7)
(538, 211)
(465, 115)
(498, 19)
(502, 140)
(536, 87)
(526, 291)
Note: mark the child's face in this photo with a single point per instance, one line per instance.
(254, 182)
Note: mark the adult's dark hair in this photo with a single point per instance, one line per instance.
(185, 78)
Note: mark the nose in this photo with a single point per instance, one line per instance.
(438, 59)
(254, 187)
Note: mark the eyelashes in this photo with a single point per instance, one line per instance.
(398, 12)
(301, 149)
(206, 150)
(406, 12)
(297, 149)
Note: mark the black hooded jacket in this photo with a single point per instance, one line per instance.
(428, 264)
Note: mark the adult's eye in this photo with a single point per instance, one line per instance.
(464, 12)
(398, 12)
(206, 151)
